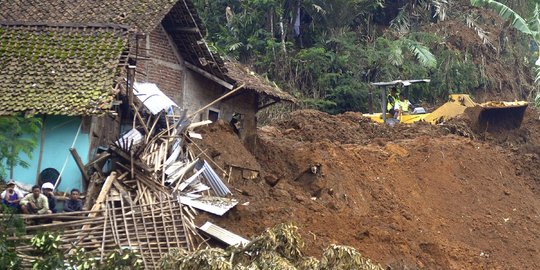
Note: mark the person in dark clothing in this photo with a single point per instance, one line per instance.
(47, 189)
(74, 204)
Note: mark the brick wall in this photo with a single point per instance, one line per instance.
(163, 66)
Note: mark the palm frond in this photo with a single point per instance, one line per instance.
(506, 13)
(440, 8)
(319, 9)
(483, 35)
(534, 21)
(401, 23)
(396, 55)
(421, 52)
(235, 46)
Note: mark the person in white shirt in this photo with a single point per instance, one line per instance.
(12, 196)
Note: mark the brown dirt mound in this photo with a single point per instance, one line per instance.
(350, 127)
(409, 197)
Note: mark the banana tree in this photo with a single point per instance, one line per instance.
(530, 27)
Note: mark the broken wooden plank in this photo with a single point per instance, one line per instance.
(81, 166)
(103, 193)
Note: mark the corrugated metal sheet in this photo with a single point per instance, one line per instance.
(131, 137)
(152, 98)
(214, 181)
(190, 180)
(215, 205)
(223, 235)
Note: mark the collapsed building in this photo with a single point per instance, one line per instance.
(119, 88)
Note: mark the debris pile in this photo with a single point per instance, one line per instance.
(143, 192)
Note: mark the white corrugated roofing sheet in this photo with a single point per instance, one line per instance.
(133, 137)
(152, 98)
(215, 205)
(223, 235)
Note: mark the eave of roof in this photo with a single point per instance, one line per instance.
(253, 81)
(140, 15)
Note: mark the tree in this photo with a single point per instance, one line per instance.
(17, 135)
(530, 27)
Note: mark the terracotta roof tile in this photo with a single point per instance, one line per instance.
(68, 70)
(140, 15)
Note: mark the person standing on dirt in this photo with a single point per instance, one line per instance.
(402, 106)
(392, 98)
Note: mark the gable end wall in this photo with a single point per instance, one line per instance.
(163, 67)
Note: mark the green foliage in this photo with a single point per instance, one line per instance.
(121, 259)
(46, 247)
(507, 13)
(118, 259)
(10, 225)
(530, 27)
(279, 248)
(17, 135)
(328, 52)
(50, 255)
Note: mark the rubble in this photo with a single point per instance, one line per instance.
(146, 201)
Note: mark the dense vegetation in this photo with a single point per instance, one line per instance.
(18, 134)
(328, 52)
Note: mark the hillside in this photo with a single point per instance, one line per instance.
(415, 196)
(327, 53)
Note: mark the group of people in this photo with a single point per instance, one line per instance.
(39, 201)
(398, 104)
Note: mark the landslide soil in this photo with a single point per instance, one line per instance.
(413, 196)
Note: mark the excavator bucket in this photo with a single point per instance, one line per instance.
(488, 116)
(494, 116)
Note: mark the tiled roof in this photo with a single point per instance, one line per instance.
(140, 15)
(68, 70)
(255, 82)
(187, 32)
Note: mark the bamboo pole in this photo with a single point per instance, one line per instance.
(215, 101)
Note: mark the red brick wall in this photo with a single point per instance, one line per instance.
(163, 67)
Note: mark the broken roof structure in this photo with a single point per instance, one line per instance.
(255, 82)
(75, 22)
(73, 58)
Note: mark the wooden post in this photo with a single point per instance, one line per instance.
(40, 157)
(103, 193)
(383, 105)
(370, 98)
(81, 166)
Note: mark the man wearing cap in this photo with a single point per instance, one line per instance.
(12, 195)
(47, 189)
(35, 203)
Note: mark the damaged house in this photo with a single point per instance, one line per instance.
(81, 65)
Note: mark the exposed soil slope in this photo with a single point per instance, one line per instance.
(412, 196)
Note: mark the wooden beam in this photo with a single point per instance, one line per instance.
(215, 101)
(208, 75)
(103, 194)
(267, 105)
(81, 166)
(193, 30)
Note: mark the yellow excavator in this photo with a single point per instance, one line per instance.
(490, 115)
